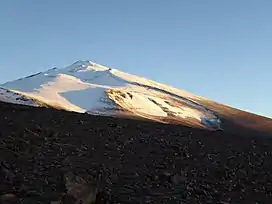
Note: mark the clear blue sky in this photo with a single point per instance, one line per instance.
(214, 48)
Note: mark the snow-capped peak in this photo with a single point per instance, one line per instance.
(88, 87)
(83, 66)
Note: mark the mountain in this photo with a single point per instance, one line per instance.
(72, 155)
(87, 87)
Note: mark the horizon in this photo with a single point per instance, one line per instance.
(217, 50)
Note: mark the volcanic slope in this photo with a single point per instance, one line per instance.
(53, 156)
(87, 87)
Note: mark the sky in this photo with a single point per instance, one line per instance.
(221, 50)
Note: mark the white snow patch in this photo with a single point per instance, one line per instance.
(141, 80)
(183, 111)
(9, 96)
(86, 87)
(138, 104)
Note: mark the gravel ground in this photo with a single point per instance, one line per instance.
(57, 157)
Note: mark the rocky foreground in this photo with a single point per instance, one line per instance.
(57, 157)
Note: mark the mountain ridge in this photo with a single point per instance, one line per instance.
(88, 87)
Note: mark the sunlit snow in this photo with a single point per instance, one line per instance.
(89, 87)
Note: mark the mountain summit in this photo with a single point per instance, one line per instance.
(87, 87)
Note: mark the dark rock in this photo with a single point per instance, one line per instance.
(9, 198)
(57, 157)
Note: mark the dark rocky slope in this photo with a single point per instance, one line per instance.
(50, 156)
